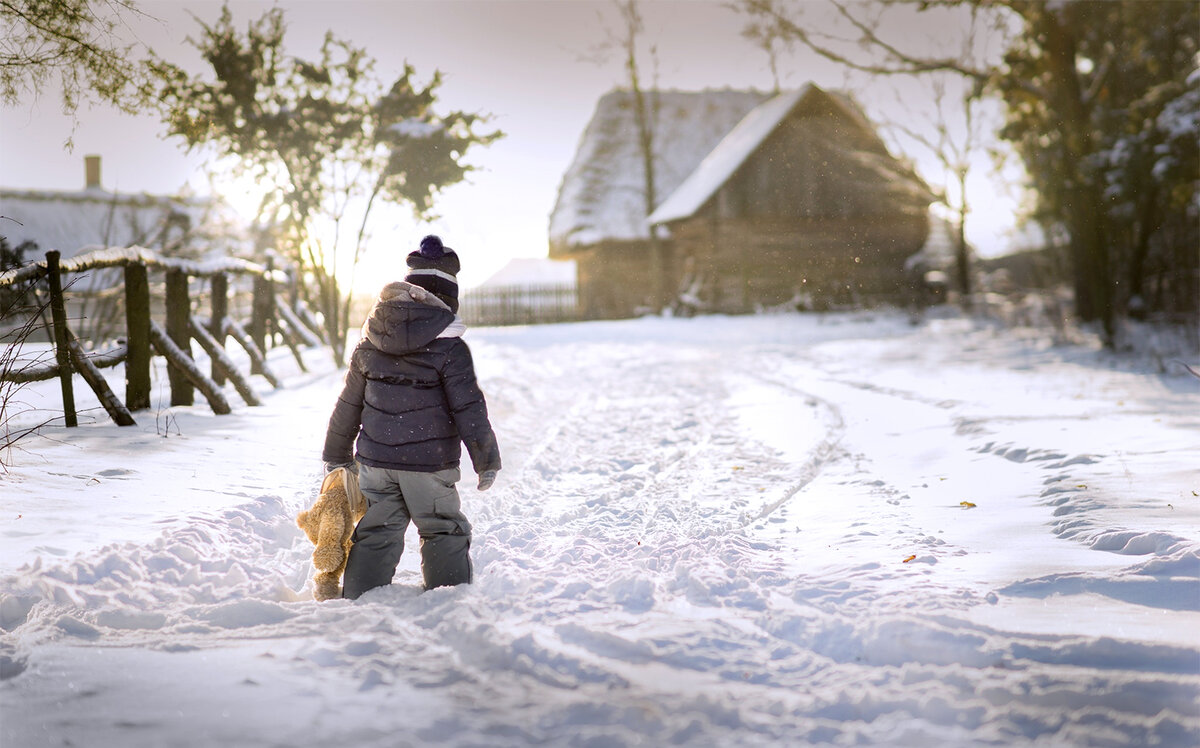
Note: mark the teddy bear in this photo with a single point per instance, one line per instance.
(329, 525)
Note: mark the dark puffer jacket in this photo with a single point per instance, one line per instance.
(411, 398)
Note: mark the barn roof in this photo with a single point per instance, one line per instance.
(601, 195)
(702, 138)
(748, 136)
(720, 164)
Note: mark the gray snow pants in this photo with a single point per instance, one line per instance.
(394, 497)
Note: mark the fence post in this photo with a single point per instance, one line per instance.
(62, 354)
(137, 334)
(293, 274)
(260, 312)
(178, 312)
(216, 323)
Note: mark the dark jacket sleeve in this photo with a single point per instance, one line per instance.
(469, 409)
(347, 415)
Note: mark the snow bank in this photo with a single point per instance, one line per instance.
(718, 531)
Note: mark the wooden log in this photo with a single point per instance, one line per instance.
(306, 316)
(50, 371)
(291, 338)
(91, 374)
(58, 311)
(257, 360)
(219, 286)
(221, 362)
(137, 336)
(185, 364)
(178, 314)
(289, 316)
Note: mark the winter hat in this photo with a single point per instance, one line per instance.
(434, 267)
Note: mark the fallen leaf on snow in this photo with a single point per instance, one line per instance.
(910, 558)
(966, 504)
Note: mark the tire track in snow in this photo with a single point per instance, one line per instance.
(825, 451)
(699, 601)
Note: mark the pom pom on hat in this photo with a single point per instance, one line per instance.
(432, 247)
(434, 267)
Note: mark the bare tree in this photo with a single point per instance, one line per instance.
(769, 38)
(645, 112)
(15, 366)
(1072, 77)
(626, 40)
(954, 138)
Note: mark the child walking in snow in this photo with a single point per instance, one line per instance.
(409, 403)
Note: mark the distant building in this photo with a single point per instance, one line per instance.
(37, 221)
(526, 290)
(524, 272)
(761, 200)
(74, 222)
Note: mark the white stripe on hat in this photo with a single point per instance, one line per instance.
(432, 271)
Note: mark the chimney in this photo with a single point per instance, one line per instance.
(91, 166)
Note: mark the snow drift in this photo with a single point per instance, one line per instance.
(772, 530)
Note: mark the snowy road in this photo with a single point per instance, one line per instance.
(756, 531)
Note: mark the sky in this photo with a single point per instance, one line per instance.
(529, 64)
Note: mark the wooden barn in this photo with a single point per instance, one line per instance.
(762, 200)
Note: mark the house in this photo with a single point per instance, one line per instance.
(33, 222)
(531, 272)
(761, 200)
(526, 290)
(75, 221)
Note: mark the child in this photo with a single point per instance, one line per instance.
(410, 401)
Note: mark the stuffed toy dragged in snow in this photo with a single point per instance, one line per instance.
(329, 524)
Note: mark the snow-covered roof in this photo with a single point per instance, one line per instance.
(701, 139)
(532, 271)
(602, 193)
(940, 249)
(733, 150)
(749, 135)
(70, 221)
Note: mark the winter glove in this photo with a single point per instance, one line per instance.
(486, 479)
(352, 466)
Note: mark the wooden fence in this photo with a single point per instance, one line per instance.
(271, 315)
(520, 305)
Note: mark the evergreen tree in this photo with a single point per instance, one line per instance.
(323, 135)
(1102, 124)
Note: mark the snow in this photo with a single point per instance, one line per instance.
(532, 271)
(711, 531)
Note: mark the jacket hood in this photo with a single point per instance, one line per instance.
(406, 317)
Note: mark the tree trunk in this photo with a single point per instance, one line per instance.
(1085, 211)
